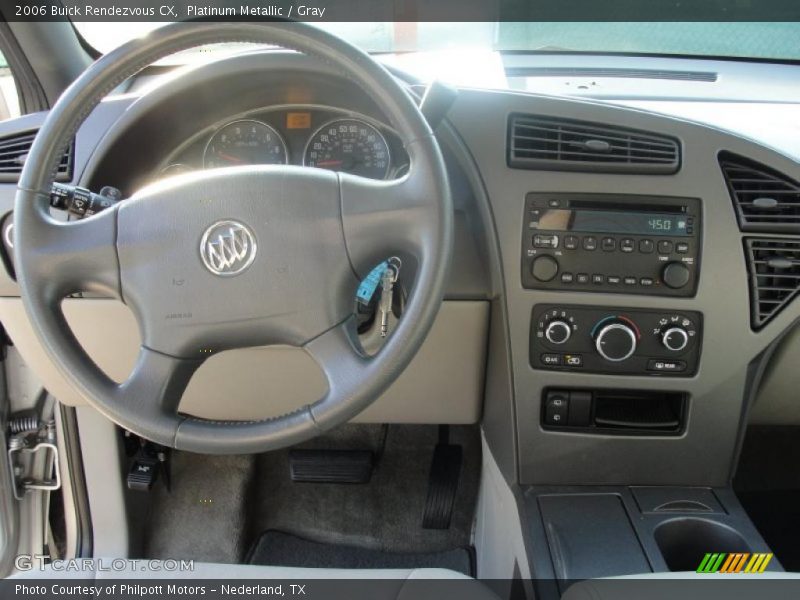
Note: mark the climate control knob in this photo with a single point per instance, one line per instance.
(616, 341)
(675, 339)
(558, 332)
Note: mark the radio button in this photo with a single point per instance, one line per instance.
(598, 279)
(630, 281)
(590, 243)
(609, 244)
(627, 245)
(646, 246)
(664, 247)
(582, 278)
(545, 241)
(570, 242)
(567, 278)
(544, 268)
(646, 281)
(682, 247)
(614, 279)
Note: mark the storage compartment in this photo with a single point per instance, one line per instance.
(590, 535)
(622, 411)
(684, 542)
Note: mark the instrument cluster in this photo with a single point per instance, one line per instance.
(311, 136)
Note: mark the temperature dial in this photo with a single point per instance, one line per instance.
(616, 338)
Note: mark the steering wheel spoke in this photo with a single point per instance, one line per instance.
(395, 217)
(152, 392)
(71, 256)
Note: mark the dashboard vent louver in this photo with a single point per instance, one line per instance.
(765, 200)
(773, 265)
(550, 143)
(14, 151)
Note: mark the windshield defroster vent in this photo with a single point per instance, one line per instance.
(774, 268)
(549, 143)
(765, 200)
(14, 151)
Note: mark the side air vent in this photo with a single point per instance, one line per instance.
(14, 151)
(774, 268)
(549, 143)
(765, 200)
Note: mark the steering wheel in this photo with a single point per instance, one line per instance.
(235, 257)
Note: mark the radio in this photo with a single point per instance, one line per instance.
(628, 341)
(606, 243)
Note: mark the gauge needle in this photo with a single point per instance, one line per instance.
(229, 157)
(329, 163)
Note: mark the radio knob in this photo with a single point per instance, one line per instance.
(558, 332)
(675, 339)
(616, 341)
(544, 268)
(675, 275)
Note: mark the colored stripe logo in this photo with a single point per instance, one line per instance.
(734, 562)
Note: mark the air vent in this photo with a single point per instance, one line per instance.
(765, 200)
(774, 268)
(14, 150)
(538, 142)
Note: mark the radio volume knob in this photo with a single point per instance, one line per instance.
(544, 268)
(558, 332)
(675, 339)
(616, 342)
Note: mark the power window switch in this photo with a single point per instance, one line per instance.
(556, 409)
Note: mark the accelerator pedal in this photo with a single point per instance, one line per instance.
(442, 482)
(331, 466)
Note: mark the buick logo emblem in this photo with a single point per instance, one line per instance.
(227, 248)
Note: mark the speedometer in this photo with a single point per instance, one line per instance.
(245, 142)
(349, 145)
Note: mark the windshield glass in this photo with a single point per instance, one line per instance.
(777, 41)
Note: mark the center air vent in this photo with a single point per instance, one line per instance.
(774, 268)
(550, 143)
(765, 200)
(14, 151)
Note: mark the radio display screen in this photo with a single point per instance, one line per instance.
(609, 221)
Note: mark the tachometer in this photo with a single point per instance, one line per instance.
(350, 145)
(245, 142)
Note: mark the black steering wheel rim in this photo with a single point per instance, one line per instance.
(362, 219)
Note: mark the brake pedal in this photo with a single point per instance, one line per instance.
(442, 482)
(331, 466)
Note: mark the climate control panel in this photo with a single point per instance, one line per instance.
(629, 341)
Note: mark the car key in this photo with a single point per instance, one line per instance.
(388, 279)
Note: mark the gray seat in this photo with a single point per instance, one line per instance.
(377, 584)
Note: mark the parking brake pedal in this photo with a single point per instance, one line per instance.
(442, 482)
(331, 466)
(149, 462)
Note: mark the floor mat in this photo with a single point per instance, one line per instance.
(385, 514)
(276, 548)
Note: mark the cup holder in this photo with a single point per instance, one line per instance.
(685, 541)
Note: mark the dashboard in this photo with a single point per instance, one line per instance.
(608, 259)
(304, 135)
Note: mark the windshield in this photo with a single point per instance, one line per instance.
(751, 40)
